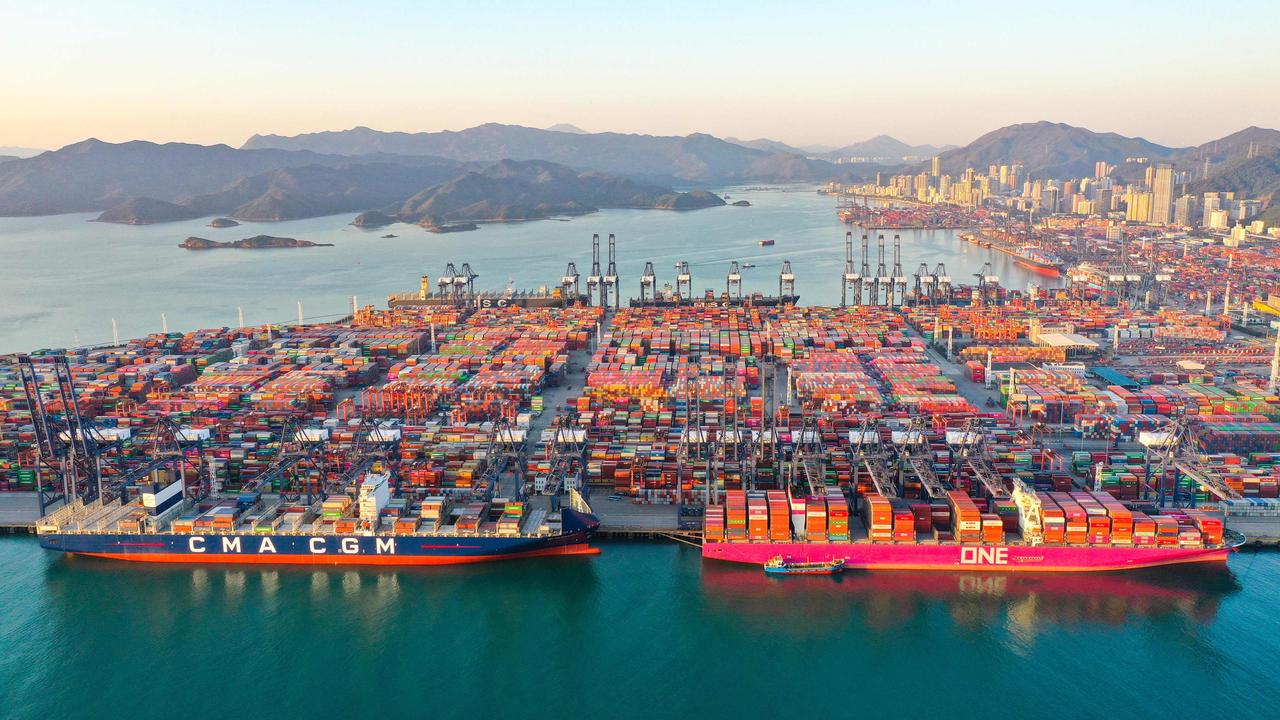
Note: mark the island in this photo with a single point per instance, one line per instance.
(372, 219)
(223, 222)
(740, 203)
(144, 211)
(388, 236)
(257, 242)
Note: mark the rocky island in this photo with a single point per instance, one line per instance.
(257, 242)
(223, 222)
(741, 203)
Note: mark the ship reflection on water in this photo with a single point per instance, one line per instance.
(884, 600)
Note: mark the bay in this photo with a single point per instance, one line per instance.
(64, 277)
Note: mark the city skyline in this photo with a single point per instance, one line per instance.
(208, 75)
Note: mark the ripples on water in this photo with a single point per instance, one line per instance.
(644, 630)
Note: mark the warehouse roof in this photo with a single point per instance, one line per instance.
(1067, 340)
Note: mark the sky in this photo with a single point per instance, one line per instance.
(811, 72)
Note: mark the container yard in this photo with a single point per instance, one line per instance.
(904, 429)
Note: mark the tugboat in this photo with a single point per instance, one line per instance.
(777, 565)
(766, 243)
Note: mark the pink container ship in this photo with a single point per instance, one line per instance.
(1055, 532)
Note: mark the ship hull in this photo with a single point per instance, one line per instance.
(995, 558)
(1038, 267)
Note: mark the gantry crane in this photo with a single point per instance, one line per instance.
(851, 279)
(786, 281)
(595, 281)
(569, 286)
(870, 453)
(609, 283)
(898, 289)
(648, 283)
(684, 280)
(1171, 452)
(883, 284)
(66, 444)
(733, 282)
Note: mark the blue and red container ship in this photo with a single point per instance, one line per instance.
(75, 530)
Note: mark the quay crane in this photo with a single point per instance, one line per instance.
(882, 282)
(595, 281)
(569, 284)
(898, 288)
(914, 452)
(786, 281)
(865, 272)
(684, 280)
(66, 444)
(925, 284)
(733, 282)
(648, 283)
(865, 442)
(851, 280)
(1173, 451)
(609, 283)
(969, 447)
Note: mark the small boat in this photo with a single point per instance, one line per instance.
(777, 565)
(748, 266)
(766, 243)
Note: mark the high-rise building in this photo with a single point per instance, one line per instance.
(1212, 202)
(1149, 176)
(1219, 220)
(1049, 198)
(1004, 178)
(1162, 194)
(1186, 211)
(1246, 209)
(937, 165)
(1101, 169)
(1139, 206)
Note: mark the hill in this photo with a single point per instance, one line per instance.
(885, 149)
(94, 175)
(1232, 149)
(770, 146)
(7, 158)
(529, 190)
(1048, 149)
(1257, 177)
(697, 158)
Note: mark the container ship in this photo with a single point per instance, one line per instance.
(1072, 532)
(371, 528)
(1034, 258)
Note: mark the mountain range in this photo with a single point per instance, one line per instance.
(881, 148)
(697, 159)
(456, 175)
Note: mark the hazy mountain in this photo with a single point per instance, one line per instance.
(884, 147)
(1232, 148)
(94, 175)
(1257, 177)
(7, 158)
(567, 128)
(317, 190)
(1048, 149)
(529, 190)
(770, 146)
(19, 152)
(697, 158)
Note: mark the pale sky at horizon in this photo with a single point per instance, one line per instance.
(1176, 73)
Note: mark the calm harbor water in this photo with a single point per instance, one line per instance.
(65, 277)
(645, 630)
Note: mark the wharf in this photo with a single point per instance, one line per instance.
(19, 512)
